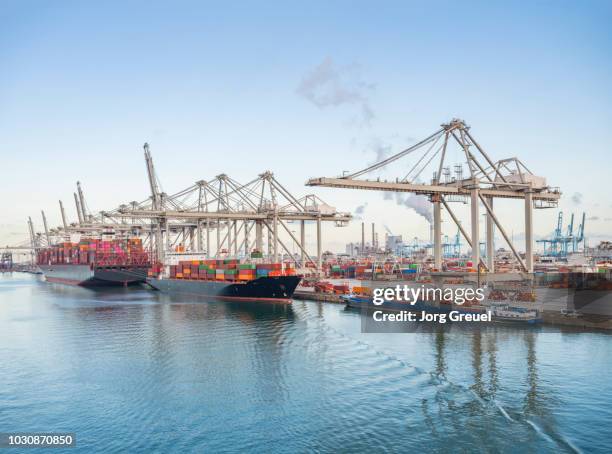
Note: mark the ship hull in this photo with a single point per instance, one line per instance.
(266, 289)
(86, 276)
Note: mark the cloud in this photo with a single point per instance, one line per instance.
(329, 85)
(577, 198)
(607, 219)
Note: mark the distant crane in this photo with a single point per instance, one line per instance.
(416, 248)
(452, 250)
(560, 244)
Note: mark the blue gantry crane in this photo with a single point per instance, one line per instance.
(560, 244)
(416, 247)
(452, 250)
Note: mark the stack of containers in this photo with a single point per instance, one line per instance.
(350, 272)
(289, 269)
(336, 271)
(92, 250)
(360, 272)
(231, 274)
(228, 270)
(211, 273)
(246, 272)
(261, 270)
(202, 271)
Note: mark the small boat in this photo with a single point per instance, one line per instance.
(511, 314)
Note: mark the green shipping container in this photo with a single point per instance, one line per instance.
(246, 266)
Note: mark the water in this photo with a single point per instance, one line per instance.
(134, 370)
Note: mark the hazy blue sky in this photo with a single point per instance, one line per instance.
(303, 89)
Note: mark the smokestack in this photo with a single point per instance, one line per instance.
(363, 238)
(431, 233)
(373, 237)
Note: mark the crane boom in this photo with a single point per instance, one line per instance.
(64, 223)
(82, 202)
(78, 208)
(44, 218)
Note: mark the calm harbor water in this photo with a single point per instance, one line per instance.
(132, 369)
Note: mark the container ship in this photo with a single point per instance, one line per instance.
(228, 279)
(95, 262)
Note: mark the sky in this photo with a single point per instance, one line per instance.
(304, 89)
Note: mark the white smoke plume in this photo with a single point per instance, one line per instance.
(329, 85)
(577, 198)
(418, 203)
(358, 216)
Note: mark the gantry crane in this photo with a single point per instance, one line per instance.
(487, 180)
(232, 209)
(222, 207)
(560, 244)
